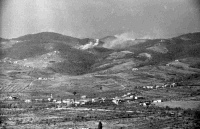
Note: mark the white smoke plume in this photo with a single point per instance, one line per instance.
(126, 36)
(125, 40)
(90, 45)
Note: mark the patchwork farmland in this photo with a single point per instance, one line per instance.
(61, 83)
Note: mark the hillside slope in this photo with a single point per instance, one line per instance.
(34, 47)
(139, 62)
(48, 37)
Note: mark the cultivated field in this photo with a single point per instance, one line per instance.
(55, 82)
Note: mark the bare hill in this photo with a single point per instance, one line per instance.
(48, 37)
(35, 46)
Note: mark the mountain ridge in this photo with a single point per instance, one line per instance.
(146, 51)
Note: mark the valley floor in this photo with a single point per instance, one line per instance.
(25, 92)
(16, 114)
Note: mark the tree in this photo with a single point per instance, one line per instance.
(74, 93)
(100, 126)
(100, 88)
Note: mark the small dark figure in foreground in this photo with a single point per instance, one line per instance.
(100, 125)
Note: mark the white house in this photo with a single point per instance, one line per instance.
(12, 98)
(51, 98)
(144, 87)
(38, 100)
(83, 96)
(157, 87)
(40, 78)
(115, 101)
(149, 87)
(95, 100)
(59, 102)
(77, 103)
(103, 99)
(134, 69)
(27, 101)
(129, 97)
(97, 41)
(145, 104)
(124, 95)
(129, 93)
(162, 40)
(83, 101)
(69, 102)
(173, 84)
(139, 97)
(157, 101)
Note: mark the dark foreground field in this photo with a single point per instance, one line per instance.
(127, 114)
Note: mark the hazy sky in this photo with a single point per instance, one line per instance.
(99, 18)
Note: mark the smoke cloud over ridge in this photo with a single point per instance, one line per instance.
(90, 45)
(124, 40)
(100, 18)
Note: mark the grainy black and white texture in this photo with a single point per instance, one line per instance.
(99, 64)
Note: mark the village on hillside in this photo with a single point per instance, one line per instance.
(84, 100)
(80, 110)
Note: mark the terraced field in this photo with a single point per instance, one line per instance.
(57, 68)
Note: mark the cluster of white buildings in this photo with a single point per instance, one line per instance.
(12, 98)
(7, 59)
(126, 98)
(131, 97)
(147, 103)
(84, 100)
(12, 61)
(43, 78)
(161, 86)
(68, 102)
